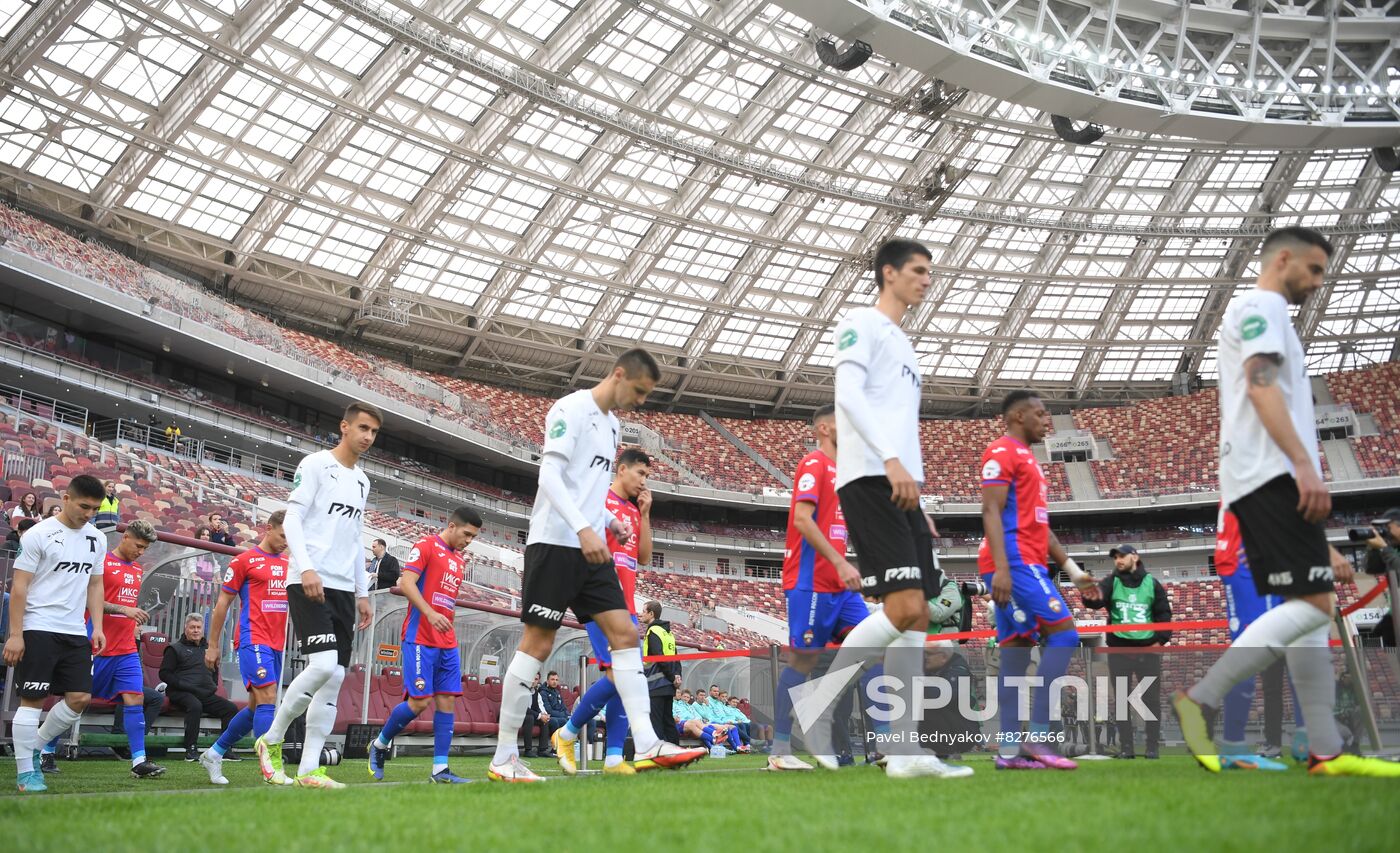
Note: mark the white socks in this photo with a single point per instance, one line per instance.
(60, 719)
(632, 688)
(515, 701)
(320, 719)
(875, 631)
(1310, 666)
(25, 729)
(904, 659)
(320, 666)
(1261, 644)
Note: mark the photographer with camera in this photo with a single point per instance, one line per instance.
(1382, 540)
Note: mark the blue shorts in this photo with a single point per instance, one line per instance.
(260, 666)
(1243, 603)
(430, 671)
(817, 618)
(113, 676)
(600, 642)
(1035, 603)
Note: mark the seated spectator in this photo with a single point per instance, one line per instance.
(109, 513)
(28, 507)
(218, 530)
(945, 731)
(537, 714)
(191, 685)
(54, 511)
(12, 538)
(556, 712)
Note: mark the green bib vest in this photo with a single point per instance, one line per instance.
(1132, 607)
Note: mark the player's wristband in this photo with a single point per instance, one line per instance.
(1076, 574)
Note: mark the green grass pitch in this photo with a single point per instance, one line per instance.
(1118, 806)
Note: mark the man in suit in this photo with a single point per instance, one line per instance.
(384, 566)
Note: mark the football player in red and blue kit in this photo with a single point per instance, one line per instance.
(116, 670)
(629, 501)
(432, 663)
(257, 579)
(1013, 561)
(822, 588)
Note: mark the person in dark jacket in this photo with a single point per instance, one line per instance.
(190, 684)
(535, 714)
(218, 530)
(1133, 597)
(385, 566)
(663, 677)
(945, 731)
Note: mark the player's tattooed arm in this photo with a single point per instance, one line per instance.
(1262, 369)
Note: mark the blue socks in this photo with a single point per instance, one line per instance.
(734, 742)
(134, 722)
(442, 739)
(588, 706)
(262, 719)
(1235, 711)
(707, 735)
(617, 726)
(399, 718)
(236, 730)
(1054, 662)
(782, 703)
(1014, 660)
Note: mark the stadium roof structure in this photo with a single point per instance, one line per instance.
(519, 189)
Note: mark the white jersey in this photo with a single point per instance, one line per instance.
(892, 385)
(1257, 322)
(329, 501)
(62, 561)
(586, 437)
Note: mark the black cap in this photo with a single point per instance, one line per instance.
(1128, 549)
(1392, 514)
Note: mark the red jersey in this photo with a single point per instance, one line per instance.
(1228, 548)
(440, 571)
(625, 556)
(1025, 519)
(121, 584)
(259, 579)
(803, 568)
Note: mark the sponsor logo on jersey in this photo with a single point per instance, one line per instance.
(74, 568)
(905, 371)
(1253, 326)
(443, 600)
(228, 575)
(346, 510)
(270, 606)
(1042, 515)
(903, 573)
(414, 556)
(991, 470)
(837, 533)
(847, 340)
(806, 482)
(558, 428)
(318, 639)
(601, 461)
(36, 685)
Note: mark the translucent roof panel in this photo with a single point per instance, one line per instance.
(687, 175)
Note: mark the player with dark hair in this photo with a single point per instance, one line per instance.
(1271, 479)
(568, 564)
(432, 665)
(1013, 561)
(822, 588)
(116, 670)
(878, 475)
(257, 579)
(58, 573)
(629, 501)
(327, 591)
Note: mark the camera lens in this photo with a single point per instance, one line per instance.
(1360, 534)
